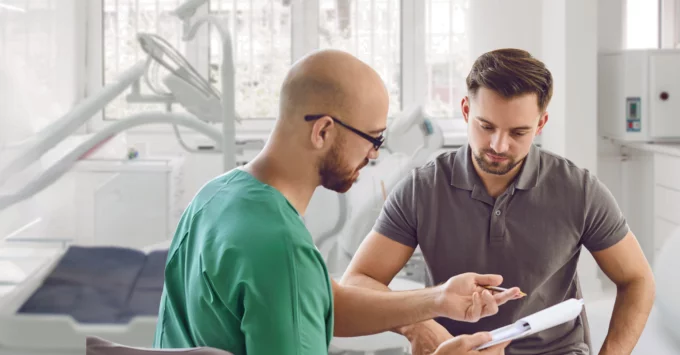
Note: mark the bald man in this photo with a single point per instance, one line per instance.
(243, 273)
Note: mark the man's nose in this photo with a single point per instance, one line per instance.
(373, 154)
(499, 143)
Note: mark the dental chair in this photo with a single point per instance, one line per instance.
(99, 346)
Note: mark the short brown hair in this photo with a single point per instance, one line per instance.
(511, 73)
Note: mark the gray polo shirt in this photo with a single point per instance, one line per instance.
(531, 235)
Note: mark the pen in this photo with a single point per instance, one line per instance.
(501, 289)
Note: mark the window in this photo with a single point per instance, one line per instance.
(122, 20)
(447, 59)
(642, 24)
(261, 31)
(268, 35)
(371, 31)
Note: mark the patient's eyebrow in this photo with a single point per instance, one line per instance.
(520, 128)
(479, 118)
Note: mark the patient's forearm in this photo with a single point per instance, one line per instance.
(363, 281)
(631, 310)
(369, 282)
(364, 310)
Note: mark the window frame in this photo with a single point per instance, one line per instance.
(304, 38)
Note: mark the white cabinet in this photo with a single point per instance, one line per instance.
(127, 203)
(664, 93)
(667, 169)
(108, 202)
(646, 183)
(639, 95)
(662, 230)
(666, 196)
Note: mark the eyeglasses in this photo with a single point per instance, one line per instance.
(377, 142)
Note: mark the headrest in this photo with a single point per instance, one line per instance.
(99, 346)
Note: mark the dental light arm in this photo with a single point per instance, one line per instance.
(55, 133)
(228, 87)
(64, 164)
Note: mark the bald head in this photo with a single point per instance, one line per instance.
(334, 83)
(350, 104)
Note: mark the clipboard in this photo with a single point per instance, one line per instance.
(539, 321)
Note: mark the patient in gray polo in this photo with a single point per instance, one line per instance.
(501, 205)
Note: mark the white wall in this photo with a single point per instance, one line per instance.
(610, 25)
(611, 37)
(570, 52)
(495, 24)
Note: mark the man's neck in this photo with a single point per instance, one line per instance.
(497, 184)
(293, 178)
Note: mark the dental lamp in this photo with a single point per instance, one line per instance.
(228, 80)
(187, 86)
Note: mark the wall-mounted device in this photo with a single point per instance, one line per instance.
(639, 95)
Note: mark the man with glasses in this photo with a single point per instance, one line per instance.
(243, 273)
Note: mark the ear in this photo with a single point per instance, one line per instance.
(541, 123)
(321, 132)
(465, 108)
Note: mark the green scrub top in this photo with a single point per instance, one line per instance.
(244, 275)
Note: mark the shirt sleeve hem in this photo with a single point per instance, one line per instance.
(397, 235)
(616, 237)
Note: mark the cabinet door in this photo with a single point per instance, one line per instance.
(663, 229)
(664, 95)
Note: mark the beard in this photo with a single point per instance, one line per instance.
(493, 167)
(336, 174)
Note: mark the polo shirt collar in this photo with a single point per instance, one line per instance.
(528, 175)
(464, 176)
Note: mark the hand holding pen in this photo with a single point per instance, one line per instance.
(465, 297)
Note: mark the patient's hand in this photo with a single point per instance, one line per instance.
(425, 337)
(465, 344)
(464, 299)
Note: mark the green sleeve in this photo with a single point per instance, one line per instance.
(284, 298)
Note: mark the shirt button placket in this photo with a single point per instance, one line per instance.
(497, 224)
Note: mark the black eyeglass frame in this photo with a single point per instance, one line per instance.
(377, 142)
